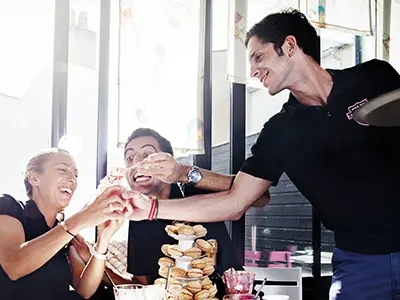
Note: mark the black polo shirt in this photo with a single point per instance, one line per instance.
(350, 173)
(147, 237)
(49, 282)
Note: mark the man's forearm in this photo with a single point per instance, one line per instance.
(202, 208)
(216, 182)
(211, 181)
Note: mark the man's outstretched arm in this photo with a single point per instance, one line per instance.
(227, 205)
(164, 167)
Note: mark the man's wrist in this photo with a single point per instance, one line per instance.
(183, 176)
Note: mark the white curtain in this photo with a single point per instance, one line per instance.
(161, 70)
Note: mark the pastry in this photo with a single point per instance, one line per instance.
(209, 261)
(186, 230)
(160, 281)
(192, 252)
(164, 249)
(206, 283)
(165, 261)
(198, 263)
(171, 229)
(204, 245)
(199, 230)
(212, 291)
(208, 270)
(176, 282)
(185, 295)
(163, 272)
(175, 251)
(179, 225)
(214, 244)
(203, 294)
(194, 286)
(195, 273)
(177, 272)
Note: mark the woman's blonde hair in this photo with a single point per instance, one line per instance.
(35, 164)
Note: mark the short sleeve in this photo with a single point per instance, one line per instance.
(265, 161)
(11, 207)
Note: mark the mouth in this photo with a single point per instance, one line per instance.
(264, 78)
(139, 178)
(66, 191)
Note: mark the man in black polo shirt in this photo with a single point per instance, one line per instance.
(349, 172)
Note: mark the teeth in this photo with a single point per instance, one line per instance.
(142, 178)
(67, 190)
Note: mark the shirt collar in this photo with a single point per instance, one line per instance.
(32, 212)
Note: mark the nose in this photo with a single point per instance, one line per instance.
(254, 71)
(72, 179)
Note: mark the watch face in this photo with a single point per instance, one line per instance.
(195, 176)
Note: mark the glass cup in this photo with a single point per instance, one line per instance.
(241, 297)
(155, 292)
(238, 282)
(129, 292)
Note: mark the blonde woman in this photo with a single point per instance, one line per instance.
(35, 259)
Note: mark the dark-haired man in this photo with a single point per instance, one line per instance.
(147, 237)
(348, 172)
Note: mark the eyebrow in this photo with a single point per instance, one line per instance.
(145, 145)
(68, 166)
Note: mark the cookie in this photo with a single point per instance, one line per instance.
(163, 272)
(177, 272)
(171, 229)
(195, 273)
(175, 251)
(194, 286)
(199, 230)
(208, 270)
(192, 252)
(212, 291)
(165, 261)
(203, 245)
(185, 295)
(164, 249)
(198, 263)
(202, 295)
(160, 281)
(186, 230)
(206, 283)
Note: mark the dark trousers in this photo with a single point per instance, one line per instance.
(365, 277)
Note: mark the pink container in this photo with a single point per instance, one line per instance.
(238, 282)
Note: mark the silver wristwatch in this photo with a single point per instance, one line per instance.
(194, 175)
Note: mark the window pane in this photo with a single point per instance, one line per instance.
(161, 60)
(220, 25)
(279, 234)
(82, 99)
(26, 85)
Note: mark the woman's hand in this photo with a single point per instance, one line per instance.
(109, 205)
(82, 248)
(106, 230)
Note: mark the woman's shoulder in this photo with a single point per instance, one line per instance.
(11, 207)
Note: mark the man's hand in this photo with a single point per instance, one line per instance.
(141, 205)
(162, 166)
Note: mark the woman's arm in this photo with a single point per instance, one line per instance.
(19, 257)
(86, 279)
